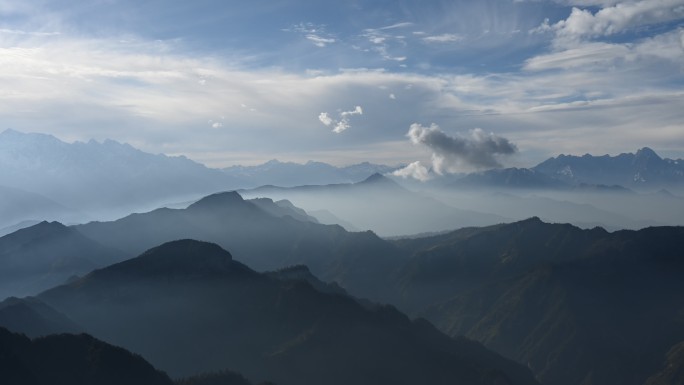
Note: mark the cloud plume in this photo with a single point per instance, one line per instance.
(342, 123)
(478, 150)
(415, 170)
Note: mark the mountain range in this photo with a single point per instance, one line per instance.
(44, 178)
(529, 290)
(576, 306)
(643, 170)
(380, 204)
(189, 299)
(571, 305)
(289, 174)
(100, 177)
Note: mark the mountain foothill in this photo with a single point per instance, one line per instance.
(567, 273)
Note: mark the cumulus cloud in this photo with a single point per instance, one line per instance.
(415, 170)
(615, 18)
(325, 119)
(341, 124)
(477, 150)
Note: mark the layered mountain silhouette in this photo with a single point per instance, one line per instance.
(510, 178)
(68, 359)
(576, 306)
(262, 240)
(380, 204)
(34, 318)
(18, 206)
(191, 299)
(46, 254)
(641, 170)
(288, 174)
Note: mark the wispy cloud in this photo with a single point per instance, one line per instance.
(587, 54)
(320, 41)
(444, 38)
(29, 33)
(618, 74)
(313, 33)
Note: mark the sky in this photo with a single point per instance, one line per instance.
(442, 86)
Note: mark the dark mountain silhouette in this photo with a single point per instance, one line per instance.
(191, 299)
(576, 306)
(47, 254)
(288, 174)
(68, 359)
(642, 170)
(220, 378)
(257, 238)
(672, 372)
(33, 318)
(101, 176)
(380, 204)
(18, 226)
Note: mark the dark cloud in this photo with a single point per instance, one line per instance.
(477, 150)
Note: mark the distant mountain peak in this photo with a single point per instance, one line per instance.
(185, 258)
(9, 132)
(377, 178)
(43, 229)
(221, 199)
(535, 219)
(644, 169)
(14, 135)
(647, 152)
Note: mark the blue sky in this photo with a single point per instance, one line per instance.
(227, 82)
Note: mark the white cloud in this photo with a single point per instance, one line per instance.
(397, 25)
(148, 93)
(325, 119)
(356, 111)
(341, 124)
(414, 170)
(320, 41)
(444, 38)
(314, 33)
(617, 18)
(586, 54)
(31, 33)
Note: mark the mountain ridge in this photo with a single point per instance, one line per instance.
(284, 330)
